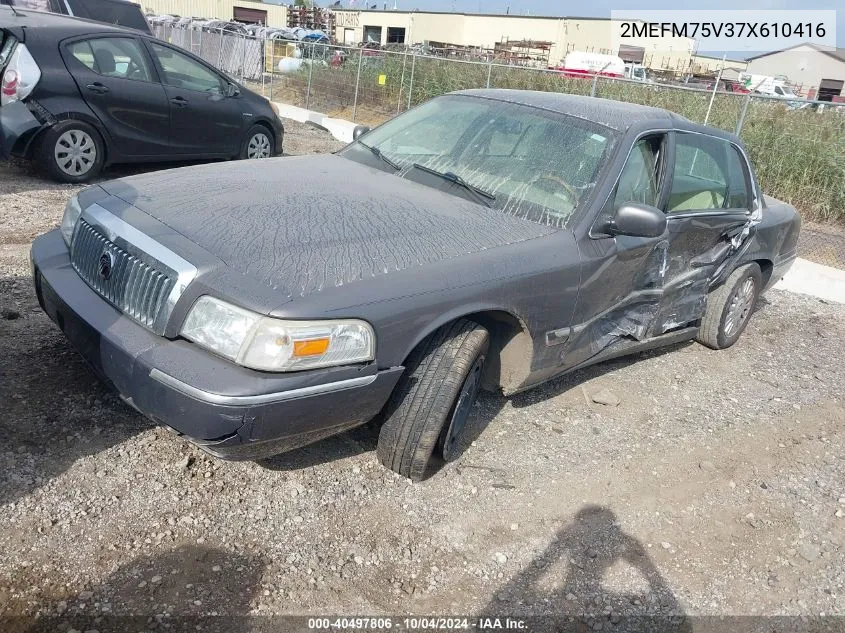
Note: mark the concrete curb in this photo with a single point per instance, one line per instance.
(808, 278)
(338, 128)
(805, 277)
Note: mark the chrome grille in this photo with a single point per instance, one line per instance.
(135, 287)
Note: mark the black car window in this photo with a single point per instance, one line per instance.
(708, 174)
(120, 57)
(181, 71)
(638, 180)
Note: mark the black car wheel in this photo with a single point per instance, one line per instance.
(429, 408)
(730, 306)
(71, 151)
(258, 143)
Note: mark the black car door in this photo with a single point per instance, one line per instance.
(117, 80)
(708, 209)
(204, 120)
(621, 276)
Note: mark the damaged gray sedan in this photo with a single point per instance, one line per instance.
(486, 239)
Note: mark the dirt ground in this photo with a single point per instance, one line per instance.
(715, 487)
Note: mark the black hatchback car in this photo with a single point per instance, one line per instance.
(78, 95)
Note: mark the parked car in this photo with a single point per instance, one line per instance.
(78, 95)
(115, 12)
(487, 238)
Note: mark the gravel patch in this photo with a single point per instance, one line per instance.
(680, 481)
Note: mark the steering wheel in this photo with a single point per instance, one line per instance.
(556, 183)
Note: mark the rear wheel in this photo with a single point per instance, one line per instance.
(427, 414)
(71, 151)
(730, 306)
(258, 143)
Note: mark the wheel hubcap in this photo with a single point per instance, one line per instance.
(75, 152)
(740, 308)
(258, 147)
(463, 406)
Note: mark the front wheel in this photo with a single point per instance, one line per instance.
(730, 306)
(427, 413)
(258, 143)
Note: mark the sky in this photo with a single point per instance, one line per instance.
(599, 8)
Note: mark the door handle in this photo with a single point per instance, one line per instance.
(98, 88)
(179, 102)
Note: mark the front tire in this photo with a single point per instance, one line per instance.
(730, 306)
(258, 143)
(429, 408)
(71, 151)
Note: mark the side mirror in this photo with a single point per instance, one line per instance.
(359, 130)
(638, 220)
(233, 91)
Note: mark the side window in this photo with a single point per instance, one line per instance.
(119, 57)
(709, 174)
(180, 71)
(638, 181)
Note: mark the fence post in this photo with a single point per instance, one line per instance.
(357, 84)
(489, 72)
(411, 87)
(401, 82)
(595, 85)
(272, 64)
(715, 88)
(310, 73)
(742, 114)
(243, 60)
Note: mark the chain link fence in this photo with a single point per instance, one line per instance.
(798, 147)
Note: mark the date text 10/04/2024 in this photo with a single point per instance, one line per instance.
(417, 623)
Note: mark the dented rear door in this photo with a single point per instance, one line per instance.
(708, 209)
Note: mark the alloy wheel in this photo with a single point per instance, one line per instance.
(740, 307)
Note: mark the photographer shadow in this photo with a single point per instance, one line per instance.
(566, 585)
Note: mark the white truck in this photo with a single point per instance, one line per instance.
(581, 63)
(767, 85)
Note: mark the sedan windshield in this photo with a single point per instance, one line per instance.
(525, 161)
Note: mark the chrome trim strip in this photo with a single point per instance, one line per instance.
(143, 246)
(264, 398)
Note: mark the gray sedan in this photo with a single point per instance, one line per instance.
(486, 239)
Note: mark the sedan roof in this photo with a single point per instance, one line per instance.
(617, 115)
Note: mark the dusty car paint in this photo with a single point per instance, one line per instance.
(326, 237)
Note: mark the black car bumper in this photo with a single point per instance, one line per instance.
(18, 127)
(172, 381)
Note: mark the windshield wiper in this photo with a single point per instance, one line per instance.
(379, 154)
(484, 197)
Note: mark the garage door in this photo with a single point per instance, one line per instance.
(829, 88)
(249, 16)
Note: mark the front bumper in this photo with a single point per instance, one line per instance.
(230, 411)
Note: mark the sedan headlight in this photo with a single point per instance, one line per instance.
(269, 344)
(69, 219)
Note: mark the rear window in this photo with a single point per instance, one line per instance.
(111, 12)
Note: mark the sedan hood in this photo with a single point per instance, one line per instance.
(304, 224)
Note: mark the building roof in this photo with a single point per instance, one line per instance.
(838, 53)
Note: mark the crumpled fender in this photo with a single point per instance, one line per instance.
(16, 123)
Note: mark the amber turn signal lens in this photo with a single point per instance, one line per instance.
(312, 347)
